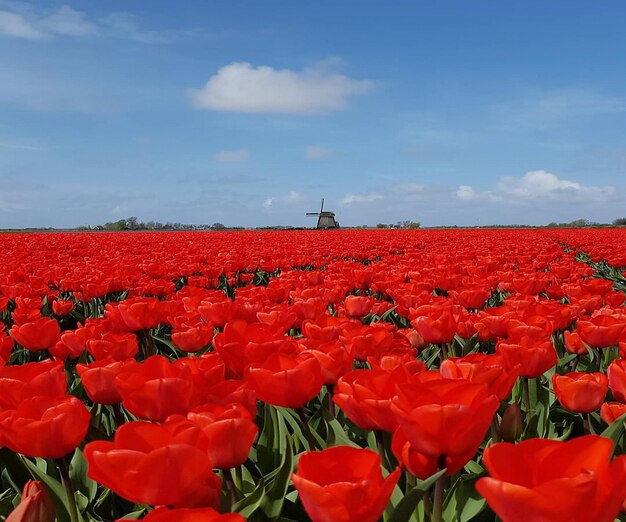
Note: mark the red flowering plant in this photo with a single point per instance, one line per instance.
(325, 375)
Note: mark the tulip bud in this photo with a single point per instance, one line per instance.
(511, 425)
(35, 506)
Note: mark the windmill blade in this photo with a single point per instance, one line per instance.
(312, 213)
(322, 209)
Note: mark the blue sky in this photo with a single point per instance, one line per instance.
(249, 112)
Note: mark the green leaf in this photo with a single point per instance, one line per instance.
(14, 470)
(78, 475)
(251, 502)
(55, 488)
(406, 507)
(134, 515)
(272, 502)
(473, 467)
(337, 436)
(469, 502)
(615, 431)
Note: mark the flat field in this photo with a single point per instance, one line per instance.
(345, 375)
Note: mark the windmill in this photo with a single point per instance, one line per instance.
(326, 219)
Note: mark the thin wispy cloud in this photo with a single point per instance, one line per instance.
(558, 106)
(18, 146)
(30, 21)
(242, 87)
(355, 199)
(232, 156)
(317, 153)
(289, 199)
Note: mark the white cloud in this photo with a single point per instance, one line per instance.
(315, 153)
(240, 87)
(69, 22)
(537, 185)
(232, 156)
(291, 198)
(466, 193)
(16, 26)
(126, 26)
(24, 20)
(351, 199)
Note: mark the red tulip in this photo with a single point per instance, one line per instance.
(141, 313)
(358, 306)
(162, 514)
(601, 331)
(6, 347)
(237, 335)
(28, 380)
(35, 505)
(284, 380)
(119, 346)
(580, 392)
(343, 484)
(39, 334)
(156, 388)
(611, 411)
(365, 397)
(61, 307)
(225, 433)
(542, 479)
(44, 426)
(98, 380)
(482, 368)
(444, 417)
(573, 343)
(420, 464)
(148, 464)
(617, 379)
(438, 324)
(364, 341)
(335, 360)
(534, 357)
(193, 339)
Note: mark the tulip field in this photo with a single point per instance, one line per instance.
(331, 376)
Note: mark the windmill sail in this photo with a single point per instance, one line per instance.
(325, 219)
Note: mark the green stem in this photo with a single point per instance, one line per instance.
(526, 398)
(380, 445)
(232, 488)
(439, 490)
(119, 416)
(331, 404)
(304, 423)
(69, 490)
(444, 351)
(495, 429)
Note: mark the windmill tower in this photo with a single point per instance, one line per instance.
(326, 219)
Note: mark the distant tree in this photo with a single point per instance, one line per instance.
(579, 223)
(619, 222)
(381, 225)
(132, 223)
(217, 226)
(408, 224)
